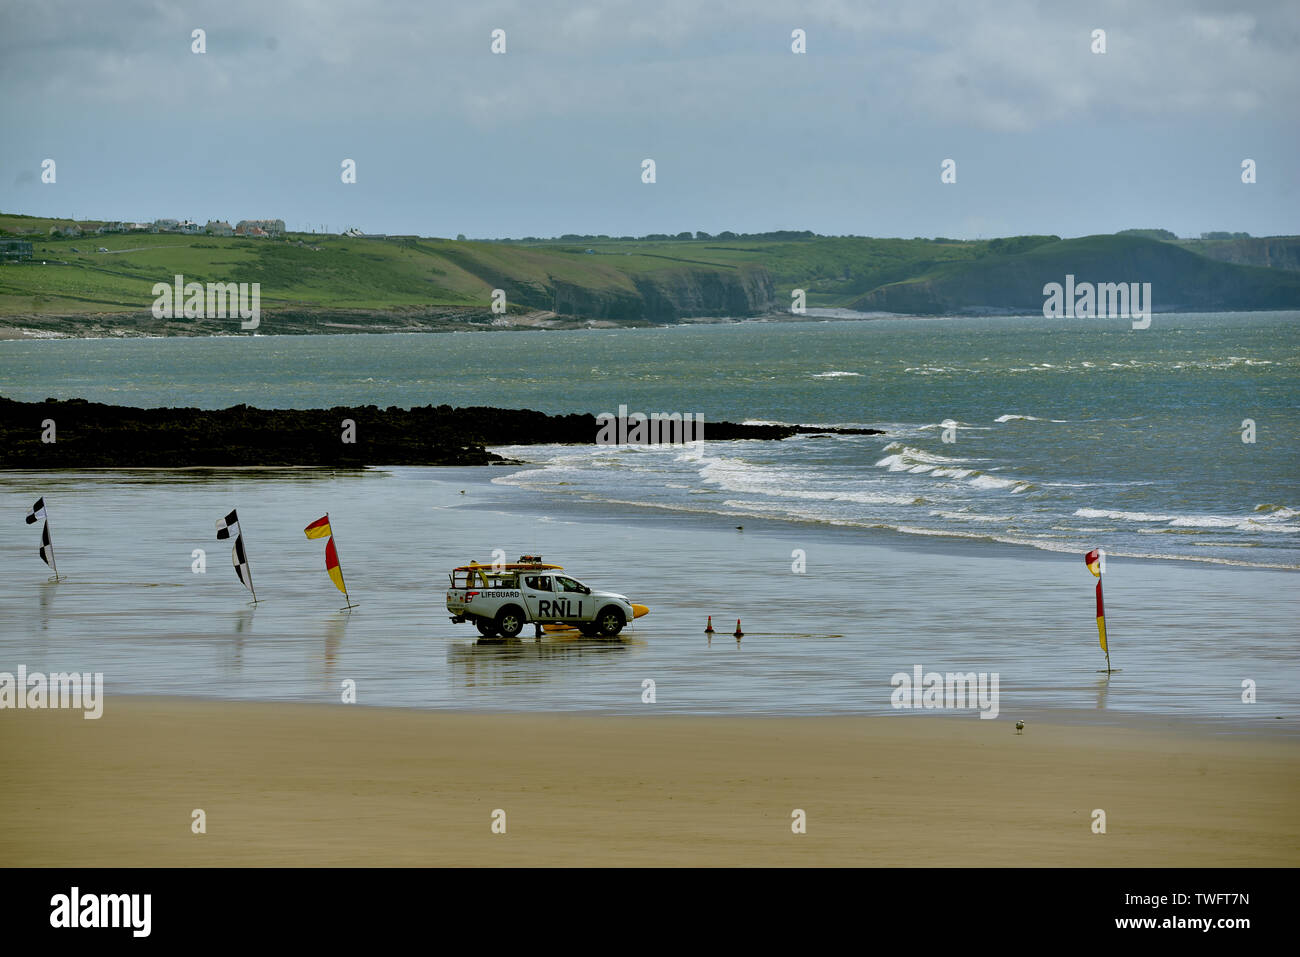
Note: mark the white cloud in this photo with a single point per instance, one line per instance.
(994, 64)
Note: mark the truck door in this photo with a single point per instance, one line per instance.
(576, 596)
(538, 594)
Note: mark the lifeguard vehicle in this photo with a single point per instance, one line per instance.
(500, 599)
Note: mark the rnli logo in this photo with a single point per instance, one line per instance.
(559, 608)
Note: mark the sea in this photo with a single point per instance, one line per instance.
(953, 541)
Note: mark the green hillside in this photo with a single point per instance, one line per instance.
(1181, 280)
(309, 276)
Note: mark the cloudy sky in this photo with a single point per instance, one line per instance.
(549, 138)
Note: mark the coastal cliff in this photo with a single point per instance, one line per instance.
(665, 296)
(1180, 280)
(56, 285)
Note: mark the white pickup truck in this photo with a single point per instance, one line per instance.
(500, 599)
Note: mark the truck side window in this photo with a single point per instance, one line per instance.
(538, 582)
(568, 584)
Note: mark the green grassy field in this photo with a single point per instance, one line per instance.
(363, 273)
(308, 271)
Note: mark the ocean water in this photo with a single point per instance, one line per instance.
(962, 556)
(1068, 433)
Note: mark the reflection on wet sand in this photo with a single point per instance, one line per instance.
(1103, 688)
(46, 592)
(335, 629)
(243, 619)
(499, 663)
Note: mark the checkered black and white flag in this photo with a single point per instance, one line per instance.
(227, 528)
(38, 511)
(240, 558)
(47, 547)
(224, 525)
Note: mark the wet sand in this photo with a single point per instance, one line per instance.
(304, 784)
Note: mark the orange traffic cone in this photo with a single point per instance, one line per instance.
(739, 634)
(708, 629)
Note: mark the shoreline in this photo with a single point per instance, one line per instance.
(326, 785)
(66, 326)
(928, 542)
(667, 517)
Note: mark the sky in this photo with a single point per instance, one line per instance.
(746, 135)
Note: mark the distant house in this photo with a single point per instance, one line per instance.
(112, 228)
(140, 228)
(167, 225)
(71, 229)
(268, 227)
(218, 227)
(189, 227)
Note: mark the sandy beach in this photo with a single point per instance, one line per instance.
(304, 784)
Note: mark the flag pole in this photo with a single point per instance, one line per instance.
(249, 561)
(346, 596)
(53, 561)
(1105, 618)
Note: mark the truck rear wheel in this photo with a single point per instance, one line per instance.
(610, 621)
(510, 621)
(486, 627)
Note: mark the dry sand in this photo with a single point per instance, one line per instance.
(291, 784)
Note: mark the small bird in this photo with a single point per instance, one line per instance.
(462, 491)
(740, 528)
(1020, 726)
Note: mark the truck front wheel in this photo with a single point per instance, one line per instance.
(610, 621)
(510, 621)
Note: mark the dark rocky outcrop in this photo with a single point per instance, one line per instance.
(91, 435)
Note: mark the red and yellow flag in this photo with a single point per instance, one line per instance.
(319, 528)
(1093, 560)
(336, 573)
(1101, 619)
